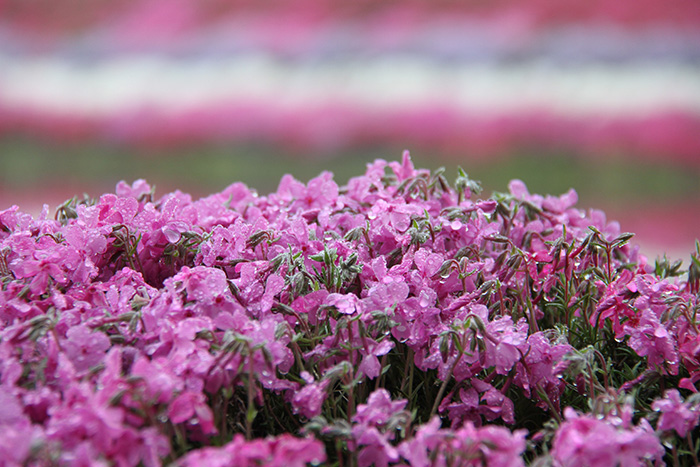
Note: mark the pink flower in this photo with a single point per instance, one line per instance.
(496, 444)
(346, 304)
(137, 189)
(202, 284)
(675, 413)
(395, 213)
(84, 347)
(583, 440)
(370, 365)
(504, 352)
(10, 409)
(191, 407)
(320, 192)
(288, 451)
(543, 363)
(376, 450)
(41, 272)
(281, 451)
(427, 438)
(378, 409)
(309, 399)
(16, 442)
(650, 338)
(158, 378)
(468, 445)
(371, 428)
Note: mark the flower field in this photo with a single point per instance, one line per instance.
(400, 319)
(377, 315)
(472, 77)
(96, 92)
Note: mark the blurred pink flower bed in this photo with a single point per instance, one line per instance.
(481, 78)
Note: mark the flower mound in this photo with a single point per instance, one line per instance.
(398, 320)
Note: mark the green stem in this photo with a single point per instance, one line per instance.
(693, 451)
(544, 396)
(351, 395)
(443, 387)
(248, 418)
(381, 376)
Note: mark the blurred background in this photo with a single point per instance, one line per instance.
(602, 96)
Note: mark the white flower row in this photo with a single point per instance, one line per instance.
(131, 82)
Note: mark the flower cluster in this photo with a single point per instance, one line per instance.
(397, 320)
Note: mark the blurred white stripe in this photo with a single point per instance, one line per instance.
(133, 82)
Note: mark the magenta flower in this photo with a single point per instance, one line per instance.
(346, 304)
(13, 220)
(16, 442)
(137, 189)
(40, 272)
(396, 214)
(586, 440)
(309, 399)
(190, 407)
(376, 448)
(650, 338)
(495, 444)
(295, 452)
(10, 409)
(503, 344)
(676, 414)
(428, 437)
(158, 377)
(378, 409)
(85, 348)
(320, 192)
(202, 285)
(370, 365)
(467, 445)
(373, 431)
(542, 366)
(282, 451)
